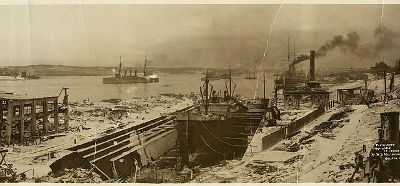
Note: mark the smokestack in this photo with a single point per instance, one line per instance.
(130, 73)
(135, 72)
(312, 65)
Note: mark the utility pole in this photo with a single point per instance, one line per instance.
(384, 84)
(264, 86)
(230, 82)
(366, 88)
(187, 136)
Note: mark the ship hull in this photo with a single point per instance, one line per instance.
(115, 80)
(206, 140)
(211, 78)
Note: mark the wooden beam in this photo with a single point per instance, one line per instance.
(9, 121)
(22, 120)
(45, 117)
(33, 118)
(56, 115)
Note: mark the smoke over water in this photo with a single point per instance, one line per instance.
(383, 41)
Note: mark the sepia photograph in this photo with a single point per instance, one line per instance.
(199, 91)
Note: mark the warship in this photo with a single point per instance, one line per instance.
(125, 79)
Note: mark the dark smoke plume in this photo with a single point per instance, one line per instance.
(383, 41)
(384, 38)
(301, 58)
(345, 45)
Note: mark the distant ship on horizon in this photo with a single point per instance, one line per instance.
(215, 76)
(119, 79)
(11, 78)
(253, 76)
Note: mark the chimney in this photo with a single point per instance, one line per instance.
(130, 73)
(312, 65)
(135, 73)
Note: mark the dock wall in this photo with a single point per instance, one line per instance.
(158, 146)
(300, 123)
(275, 137)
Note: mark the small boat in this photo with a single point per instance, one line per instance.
(253, 76)
(11, 78)
(29, 76)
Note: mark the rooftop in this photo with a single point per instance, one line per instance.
(13, 96)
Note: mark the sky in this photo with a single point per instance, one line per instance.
(211, 35)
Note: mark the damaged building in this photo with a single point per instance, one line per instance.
(25, 119)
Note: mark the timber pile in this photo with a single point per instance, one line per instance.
(261, 167)
(77, 175)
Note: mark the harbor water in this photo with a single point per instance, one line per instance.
(92, 87)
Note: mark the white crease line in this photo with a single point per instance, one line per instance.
(30, 30)
(383, 7)
(267, 44)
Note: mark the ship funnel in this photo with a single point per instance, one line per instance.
(312, 65)
(135, 72)
(130, 73)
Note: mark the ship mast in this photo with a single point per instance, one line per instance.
(206, 93)
(294, 51)
(120, 67)
(288, 50)
(145, 63)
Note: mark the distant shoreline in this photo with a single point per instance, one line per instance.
(62, 70)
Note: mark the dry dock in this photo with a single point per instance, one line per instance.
(102, 132)
(117, 154)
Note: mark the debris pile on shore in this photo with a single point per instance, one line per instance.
(71, 176)
(261, 167)
(88, 121)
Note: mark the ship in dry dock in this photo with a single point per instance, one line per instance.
(219, 127)
(124, 79)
